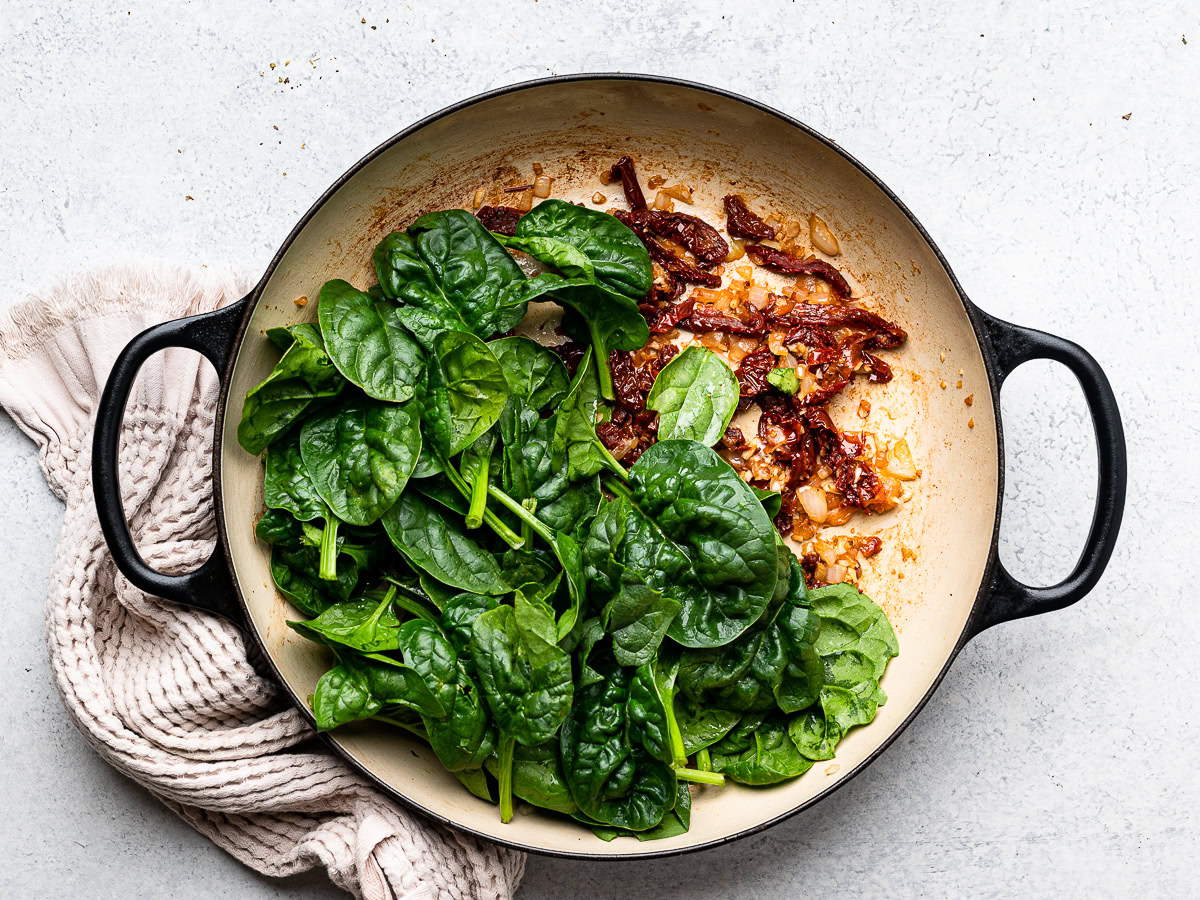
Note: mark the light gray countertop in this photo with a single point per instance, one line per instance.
(1060, 755)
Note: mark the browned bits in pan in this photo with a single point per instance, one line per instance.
(741, 222)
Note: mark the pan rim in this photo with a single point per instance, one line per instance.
(973, 315)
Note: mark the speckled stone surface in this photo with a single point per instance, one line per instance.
(1059, 757)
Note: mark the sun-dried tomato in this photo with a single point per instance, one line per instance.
(868, 547)
(741, 222)
(702, 240)
(629, 183)
(733, 439)
(705, 317)
(571, 354)
(665, 354)
(824, 315)
(809, 563)
(678, 270)
(778, 261)
(752, 372)
(670, 317)
(500, 219)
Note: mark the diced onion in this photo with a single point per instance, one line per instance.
(663, 201)
(758, 296)
(541, 186)
(835, 574)
(900, 461)
(813, 501)
(822, 237)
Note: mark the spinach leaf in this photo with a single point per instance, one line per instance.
(613, 777)
(475, 781)
(692, 529)
(702, 726)
(451, 274)
(458, 620)
(295, 572)
(360, 687)
(463, 392)
(852, 621)
(598, 315)
(759, 751)
(799, 627)
(461, 738)
(367, 342)
(569, 260)
(618, 256)
(537, 777)
(526, 678)
(534, 373)
(771, 501)
(359, 456)
(304, 374)
(575, 438)
(366, 625)
(637, 618)
(279, 527)
(591, 633)
(695, 394)
(439, 546)
(287, 486)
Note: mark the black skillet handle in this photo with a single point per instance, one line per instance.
(208, 587)
(1010, 599)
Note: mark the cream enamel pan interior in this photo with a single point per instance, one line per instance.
(718, 145)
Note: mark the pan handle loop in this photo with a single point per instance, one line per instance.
(209, 587)
(1008, 598)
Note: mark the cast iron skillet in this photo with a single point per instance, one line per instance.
(718, 142)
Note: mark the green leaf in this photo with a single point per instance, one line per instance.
(618, 256)
(852, 621)
(638, 618)
(359, 687)
(287, 485)
(693, 530)
(295, 569)
(614, 780)
(366, 625)
(759, 751)
(367, 342)
(784, 379)
(440, 546)
(702, 726)
(359, 456)
(569, 260)
(450, 274)
(534, 373)
(475, 781)
(575, 438)
(799, 627)
(537, 777)
(304, 374)
(771, 501)
(463, 393)
(525, 676)
(461, 737)
(695, 394)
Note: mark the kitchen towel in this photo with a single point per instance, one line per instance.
(166, 694)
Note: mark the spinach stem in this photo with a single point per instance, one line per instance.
(479, 494)
(329, 549)
(601, 354)
(526, 532)
(674, 735)
(505, 533)
(620, 490)
(406, 599)
(415, 729)
(527, 518)
(383, 605)
(703, 760)
(505, 778)
(701, 777)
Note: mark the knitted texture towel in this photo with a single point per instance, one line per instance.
(166, 694)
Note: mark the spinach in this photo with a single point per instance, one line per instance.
(475, 781)
(537, 777)
(303, 374)
(463, 392)
(450, 274)
(359, 456)
(476, 468)
(596, 314)
(575, 440)
(771, 501)
(692, 529)
(366, 625)
(279, 527)
(367, 342)
(458, 620)
(618, 257)
(534, 373)
(526, 678)
(695, 395)
(435, 544)
(613, 777)
(759, 751)
(784, 379)
(287, 486)
(799, 627)
(637, 618)
(852, 621)
(461, 738)
(295, 572)
(361, 686)
(568, 259)
(701, 726)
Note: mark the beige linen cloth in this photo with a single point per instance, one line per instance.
(166, 694)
